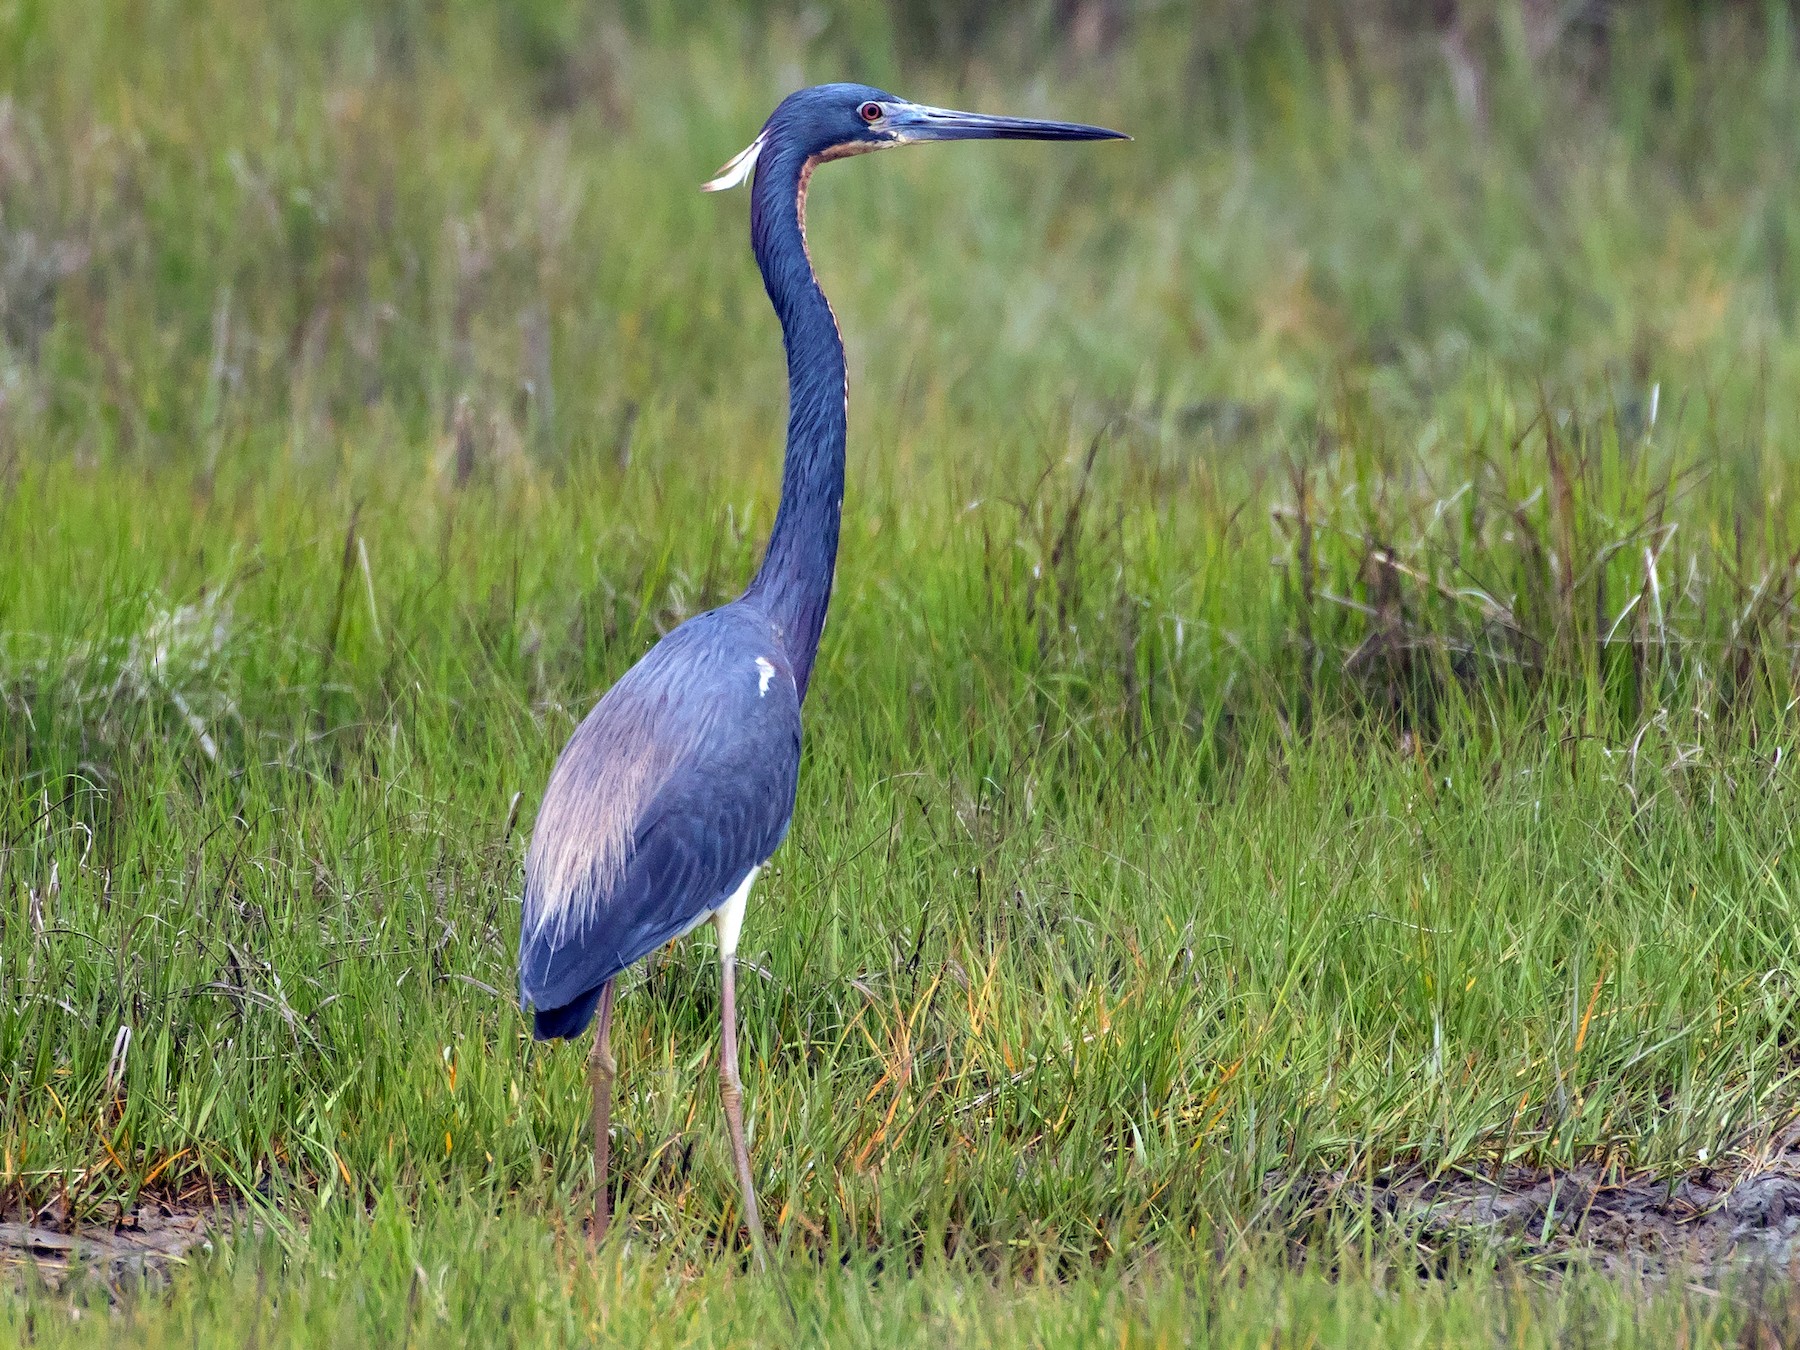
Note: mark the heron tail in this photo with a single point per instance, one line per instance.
(568, 1021)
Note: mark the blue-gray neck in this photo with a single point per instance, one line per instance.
(793, 586)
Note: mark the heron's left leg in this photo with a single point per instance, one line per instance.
(731, 1090)
(601, 1070)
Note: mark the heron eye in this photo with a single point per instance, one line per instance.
(870, 112)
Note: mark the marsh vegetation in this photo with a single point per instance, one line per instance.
(1308, 711)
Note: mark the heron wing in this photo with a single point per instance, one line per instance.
(679, 782)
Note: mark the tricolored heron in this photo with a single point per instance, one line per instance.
(673, 792)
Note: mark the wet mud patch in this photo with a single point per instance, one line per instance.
(153, 1239)
(1710, 1218)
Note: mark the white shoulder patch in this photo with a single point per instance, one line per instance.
(765, 673)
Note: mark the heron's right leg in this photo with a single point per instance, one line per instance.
(601, 1070)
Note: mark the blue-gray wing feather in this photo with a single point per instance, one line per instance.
(680, 781)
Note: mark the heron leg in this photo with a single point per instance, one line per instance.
(731, 1090)
(601, 1070)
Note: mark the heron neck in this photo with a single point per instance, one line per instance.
(794, 584)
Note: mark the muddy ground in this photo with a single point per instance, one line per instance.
(1706, 1221)
(145, 1245)
(1709, 1219)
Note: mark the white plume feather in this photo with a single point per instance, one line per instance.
(737, 169)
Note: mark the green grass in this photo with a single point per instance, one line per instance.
(399, 1277)
(1310, 687)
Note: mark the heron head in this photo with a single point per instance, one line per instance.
(831, 121)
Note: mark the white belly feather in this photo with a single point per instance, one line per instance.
(728, 918)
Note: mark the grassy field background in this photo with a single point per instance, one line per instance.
(1310, 691)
